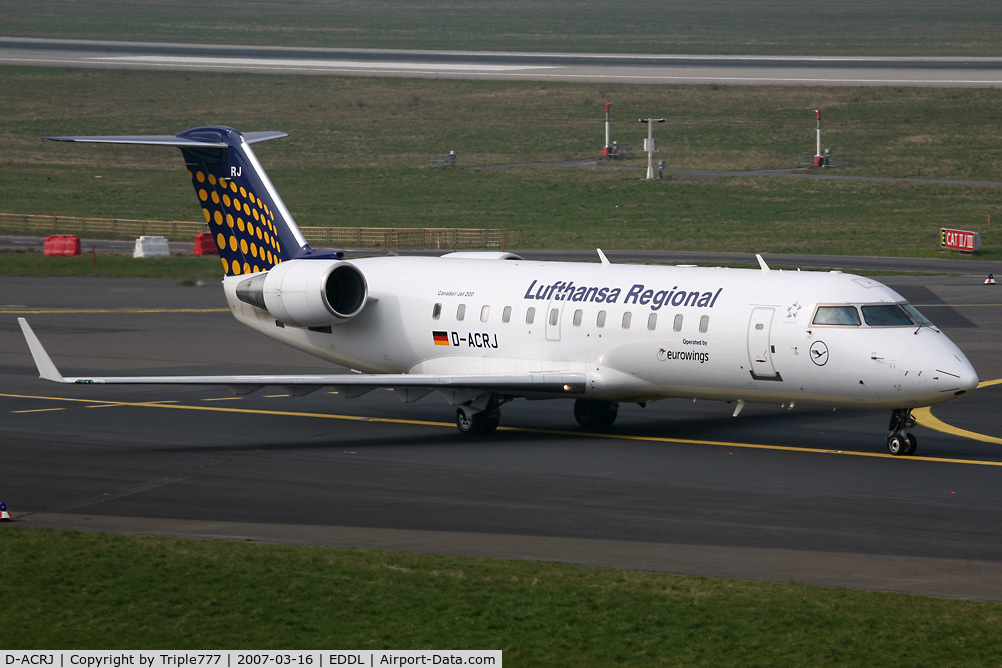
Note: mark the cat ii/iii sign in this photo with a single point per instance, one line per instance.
(959, 240)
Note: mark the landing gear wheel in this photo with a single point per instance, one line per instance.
(490, 421)
(901, 443)
(592, 414)
(479, 422)
(897, 445)
(469, 423)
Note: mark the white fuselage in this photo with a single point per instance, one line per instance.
(639, 333)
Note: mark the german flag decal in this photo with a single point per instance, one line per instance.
(441, 338)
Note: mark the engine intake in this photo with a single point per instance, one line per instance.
(307, 292)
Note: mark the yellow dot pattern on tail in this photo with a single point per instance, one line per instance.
(241, 222)
(250, 224)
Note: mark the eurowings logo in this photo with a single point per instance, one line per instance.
(684, 355)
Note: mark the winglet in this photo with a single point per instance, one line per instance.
(46, 369)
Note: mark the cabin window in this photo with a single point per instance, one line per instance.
(627, 317)
(436, 312)
(837, 315)
(506, 314)
(577, 317)
(652, 321)
(886, 315)
(704, 324)
(554, 316)
(485, 312)
(600, 320)
(677, 326)
(461, 312)
(530, 315)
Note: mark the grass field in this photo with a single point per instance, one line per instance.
(110, 592)
(188, 268)
(854, 27)
(359, 149)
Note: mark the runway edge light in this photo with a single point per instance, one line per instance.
(4, 513)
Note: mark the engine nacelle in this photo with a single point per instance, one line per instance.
(310, 293)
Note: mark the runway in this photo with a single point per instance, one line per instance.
(593, 68)
(808, 495)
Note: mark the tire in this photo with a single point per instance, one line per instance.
(469, 425)
(897, 445)
(912, 444)
(592, 414)
(489, 422)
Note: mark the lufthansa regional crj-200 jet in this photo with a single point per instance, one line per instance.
(483, 328)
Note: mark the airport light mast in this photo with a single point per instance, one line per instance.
(649, 143)
(606, 149)
(819, 160)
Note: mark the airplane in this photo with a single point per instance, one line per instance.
(485, 328)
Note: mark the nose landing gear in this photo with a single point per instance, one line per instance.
(900, 442)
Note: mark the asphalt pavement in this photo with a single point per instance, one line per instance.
(809, 495)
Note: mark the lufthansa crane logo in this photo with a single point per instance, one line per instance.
(819, 353)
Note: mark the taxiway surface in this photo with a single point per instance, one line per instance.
(808, 495)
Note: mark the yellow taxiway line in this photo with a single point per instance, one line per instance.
(626, 437)
(925, 418)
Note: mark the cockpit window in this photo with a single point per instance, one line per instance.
(886, 315)
(874, 315)
(917, 317)
(837, 315)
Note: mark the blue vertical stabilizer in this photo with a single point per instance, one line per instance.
(248, 220)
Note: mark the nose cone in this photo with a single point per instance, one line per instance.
(951, 372)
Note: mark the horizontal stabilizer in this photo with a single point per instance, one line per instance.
(171, 140)
(151, 140)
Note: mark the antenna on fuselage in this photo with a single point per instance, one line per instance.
(761, 262)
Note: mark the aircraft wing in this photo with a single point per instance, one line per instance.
(560, 383)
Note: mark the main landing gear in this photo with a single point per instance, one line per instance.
(470, 420)
(483, 417)
(900, 442)
(593, 414)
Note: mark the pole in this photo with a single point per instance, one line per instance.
(649, 144)
(607, 105)
(650, 152)
(818, 112)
